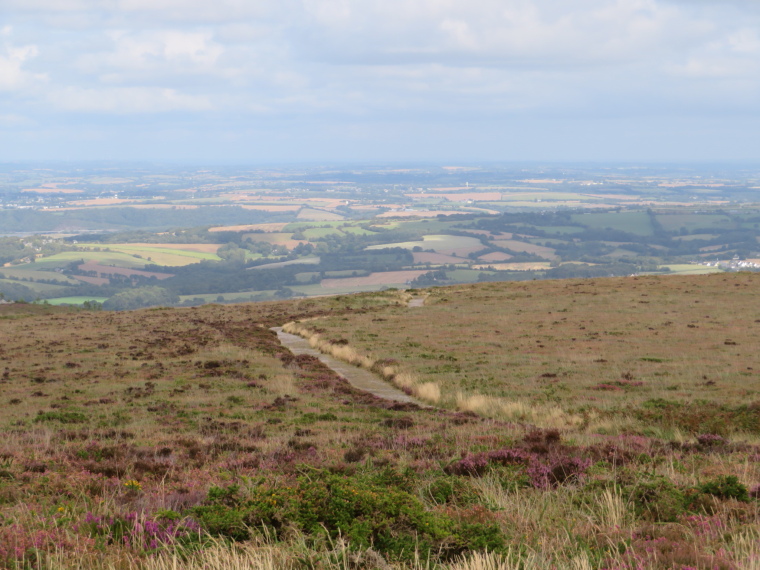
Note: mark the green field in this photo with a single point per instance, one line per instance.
(158, 255)
(438, 243)
(41, 288)
(637, 223)
(29, 271)
(560, 229)
(692, 269)
(691, 222)
(466, 275)
(116, 258)
(75, 300)
(312, 233)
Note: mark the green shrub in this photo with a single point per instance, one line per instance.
(451, 490)
(726, 487)
(658, 500)
(366, 510)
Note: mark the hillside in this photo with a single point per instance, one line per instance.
(602, 423)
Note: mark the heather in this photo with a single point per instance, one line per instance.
(191, 438)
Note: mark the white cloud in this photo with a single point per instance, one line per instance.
(169, 52)
(12, 73)
(339, 60)
(14, 120)
(126, 100)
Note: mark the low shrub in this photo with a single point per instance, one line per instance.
(366, 511)
(726, 487)
(657, 499)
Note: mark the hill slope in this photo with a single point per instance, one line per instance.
(131, 438)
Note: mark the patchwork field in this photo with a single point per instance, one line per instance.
(381, 278)
(521, 246)
(164, 254)
(428, 257)
(446, 244)
(60, 260)
(101, 270)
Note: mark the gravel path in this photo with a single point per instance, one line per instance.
(357, 377)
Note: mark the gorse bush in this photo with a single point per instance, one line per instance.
(726, 487)
(366, 511)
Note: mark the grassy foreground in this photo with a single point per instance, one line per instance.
(189, 438)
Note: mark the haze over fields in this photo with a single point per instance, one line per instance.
(396, 80)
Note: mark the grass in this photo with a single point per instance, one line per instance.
(41, 288)
(692, 269)
(167, 438)
(28, 271)
(675, 222)
(447, 244)
(159, 255)
(550, 341)
(116, 258)
(75, 300)
(632, 222)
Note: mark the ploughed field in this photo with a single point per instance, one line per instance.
(577, 424)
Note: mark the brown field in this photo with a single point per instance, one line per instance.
(276, 238)
(110, 270)
(495, 256)
(514, 245)
(428, 257)
(199, 247)
(420, 214)
(382, 278)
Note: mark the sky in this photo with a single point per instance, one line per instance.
(380, 80)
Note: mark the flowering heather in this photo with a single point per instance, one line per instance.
(18, 543)
(139, 532)
(711, 440)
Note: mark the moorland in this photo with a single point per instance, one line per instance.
(569, 424)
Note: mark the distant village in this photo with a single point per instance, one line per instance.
(734, 264)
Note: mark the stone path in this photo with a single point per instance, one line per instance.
(357, 377)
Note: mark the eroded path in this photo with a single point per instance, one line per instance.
(357, 377)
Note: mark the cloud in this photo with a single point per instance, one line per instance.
(403, 62)
(126, 100)
(162, 53)
(12, 59)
